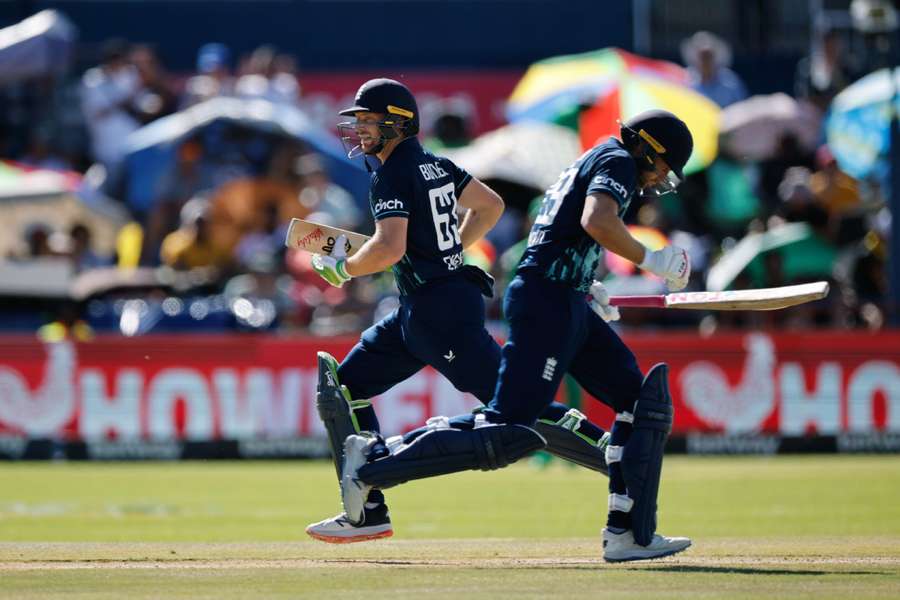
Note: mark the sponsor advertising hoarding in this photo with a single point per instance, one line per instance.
(735, 392)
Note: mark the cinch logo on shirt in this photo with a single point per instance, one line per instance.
(383, 205)
(609, 181)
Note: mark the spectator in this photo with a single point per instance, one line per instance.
(40, 155)
(326, 202)
(82, 254)
(156, 97)
(825, 72)
(192, 245)
(790, 153)
(107, 93)
(37, 242)
(68, 325)
(835, 189)
(189, 177)
(799, 204)
(708, 58)
(285, 84)
(268, 77)
(213, 76)
(451, 129)
(268, 242)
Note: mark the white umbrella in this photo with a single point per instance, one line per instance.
(736, 260)
(528, 153)
(751, 129)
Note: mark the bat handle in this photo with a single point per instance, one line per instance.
(658, 301)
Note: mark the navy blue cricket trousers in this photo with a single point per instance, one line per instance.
(440, 324)
(553, 331)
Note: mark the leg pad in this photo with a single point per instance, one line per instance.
(335, 408)
(564, 441)
(443, 451)
(642, 455)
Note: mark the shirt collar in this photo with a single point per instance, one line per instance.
(406, 146)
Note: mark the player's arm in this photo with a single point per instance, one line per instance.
(484, 210)
(600, 219)
(385, 248)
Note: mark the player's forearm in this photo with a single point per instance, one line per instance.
(372, 257)
(477, 223)
(615, 237)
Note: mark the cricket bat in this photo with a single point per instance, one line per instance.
(759, 299)
(319, 238)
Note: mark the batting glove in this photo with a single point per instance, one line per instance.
(671, 263)
(332, 268)
(599, 301)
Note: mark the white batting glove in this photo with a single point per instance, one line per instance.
(332, 268)
(599, 301)
(671, 263)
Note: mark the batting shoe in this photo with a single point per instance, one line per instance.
(354, 491)
(339, 529)
(621, 547)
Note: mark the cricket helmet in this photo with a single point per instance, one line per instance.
(390, 98)
(659, 133)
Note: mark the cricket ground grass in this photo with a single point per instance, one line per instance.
(778, 527)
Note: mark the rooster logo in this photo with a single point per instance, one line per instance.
(44, 411)
(739, 409)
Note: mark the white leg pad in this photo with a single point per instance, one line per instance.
(438, 423)
(395, 443)
(620, 502)
(571, 420)
(614, 454)
(625, 417)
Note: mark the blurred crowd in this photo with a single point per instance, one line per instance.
(207, 239)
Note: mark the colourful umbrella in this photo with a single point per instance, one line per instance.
(636, 94)
(550, 88)
(615, 85)
(858, 123)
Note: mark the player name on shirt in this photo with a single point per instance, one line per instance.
(432, 171)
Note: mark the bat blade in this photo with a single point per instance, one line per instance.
(759, 299)
(320, 238)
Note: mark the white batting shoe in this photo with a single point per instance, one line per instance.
(353, 491)
(621, 547)
(339, 529)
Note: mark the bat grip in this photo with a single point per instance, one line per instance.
(658, 301)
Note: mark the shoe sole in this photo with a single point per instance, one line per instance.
(654, 557)
(329, 539)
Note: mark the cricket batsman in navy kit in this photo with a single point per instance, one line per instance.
(440, 321)
(553, 330)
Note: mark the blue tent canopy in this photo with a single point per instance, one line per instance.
(151, 150)
(40, 45)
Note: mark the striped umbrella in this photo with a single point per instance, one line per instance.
(591, 92)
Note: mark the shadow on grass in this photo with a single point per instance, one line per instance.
(747, 570)
(598, 566)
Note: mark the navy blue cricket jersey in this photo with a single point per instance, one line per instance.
(424, 188)
(558, 246)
